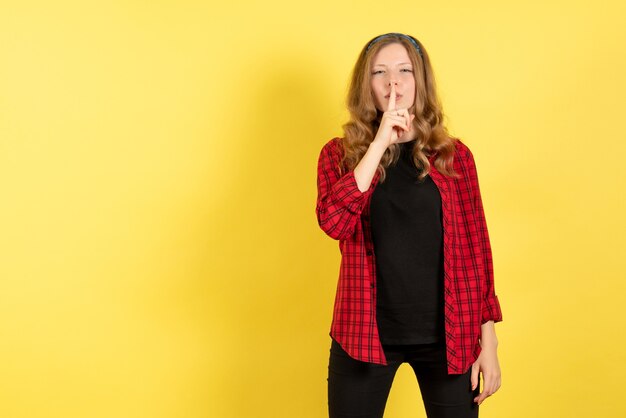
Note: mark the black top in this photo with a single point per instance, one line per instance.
(407, 232)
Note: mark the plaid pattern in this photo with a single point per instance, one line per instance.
(469, 295)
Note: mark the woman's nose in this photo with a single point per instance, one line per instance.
(392, 81)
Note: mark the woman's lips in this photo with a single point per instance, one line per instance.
(398, 96)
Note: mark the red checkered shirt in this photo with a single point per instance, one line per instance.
(469, 296)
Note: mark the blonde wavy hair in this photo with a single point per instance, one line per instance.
(432, 135)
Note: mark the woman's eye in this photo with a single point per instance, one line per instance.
(407, 70)
(378, 72)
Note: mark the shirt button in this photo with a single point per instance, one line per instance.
(369, 252)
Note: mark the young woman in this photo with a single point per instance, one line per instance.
(416, 277)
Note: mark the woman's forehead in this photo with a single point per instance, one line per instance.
(394, 53)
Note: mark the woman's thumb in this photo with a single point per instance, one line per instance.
(474, 378)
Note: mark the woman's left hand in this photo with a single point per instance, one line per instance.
(487, 364)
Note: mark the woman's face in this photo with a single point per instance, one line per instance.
(392, 65)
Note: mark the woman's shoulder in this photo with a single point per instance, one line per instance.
(462, 152)
(331, 155)
(461, 147)
(334, 147)
(333, 143)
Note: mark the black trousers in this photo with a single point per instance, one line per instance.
(360, 390)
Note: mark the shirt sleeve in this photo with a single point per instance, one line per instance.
(491, 306)
(339, 200)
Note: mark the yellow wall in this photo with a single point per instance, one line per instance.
(159, 253)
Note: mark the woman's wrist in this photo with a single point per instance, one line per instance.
(378, 147)
(366, 168)
(488, 344)
(488, 337)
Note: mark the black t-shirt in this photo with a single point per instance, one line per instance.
(407, 232)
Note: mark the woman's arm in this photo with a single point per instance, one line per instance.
(490, 305)
(340, 199)
(487, 363)
(366, 168)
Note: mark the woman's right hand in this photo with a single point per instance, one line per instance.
(395, 124)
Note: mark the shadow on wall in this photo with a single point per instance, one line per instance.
(267, 304)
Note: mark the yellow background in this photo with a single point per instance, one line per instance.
(159, 252)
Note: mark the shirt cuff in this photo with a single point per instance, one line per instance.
(491, 310)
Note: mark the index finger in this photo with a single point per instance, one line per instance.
(392, 98)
